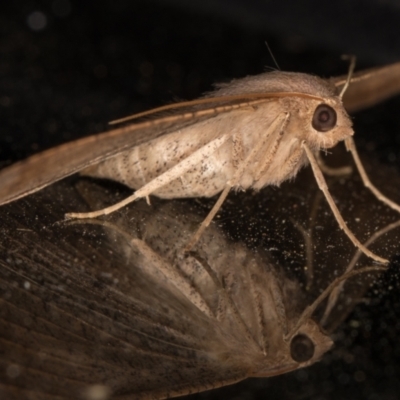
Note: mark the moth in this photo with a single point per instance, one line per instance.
(248, 134)
(116, 307)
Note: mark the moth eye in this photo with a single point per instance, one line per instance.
(324, 118)
(302, 348)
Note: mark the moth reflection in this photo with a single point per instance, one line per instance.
(116, 308)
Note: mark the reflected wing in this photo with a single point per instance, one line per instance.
(72, 316)
(58, 341)
(370, 87)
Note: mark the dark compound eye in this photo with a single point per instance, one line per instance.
(302, 348)
(324, 118)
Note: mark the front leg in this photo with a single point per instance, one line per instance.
(342, 224)
(350, 146)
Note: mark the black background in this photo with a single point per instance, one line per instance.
(94, 61)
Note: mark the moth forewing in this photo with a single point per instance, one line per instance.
(43, 169)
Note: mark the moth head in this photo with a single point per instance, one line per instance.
(308, 345)
(322, 123)
(306, 342)
(304, 348)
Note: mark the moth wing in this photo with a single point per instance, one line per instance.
(69, 347)
(370, 87)
(45, 168)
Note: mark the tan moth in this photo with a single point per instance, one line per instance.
(248, 134)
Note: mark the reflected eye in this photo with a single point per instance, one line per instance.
(324, 118)
(302, 348)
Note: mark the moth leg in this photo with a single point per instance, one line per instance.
(340, 171)
(277, 127)
(342, 224)
(175, 172)
(350, 146)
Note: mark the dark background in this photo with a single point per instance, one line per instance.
(69, 67)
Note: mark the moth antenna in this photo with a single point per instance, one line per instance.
(350, 74)
(312, 307)
(272, 56)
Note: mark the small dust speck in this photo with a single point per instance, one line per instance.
(13, 371)
(354, 323)
(97, 392)
(37, 21)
